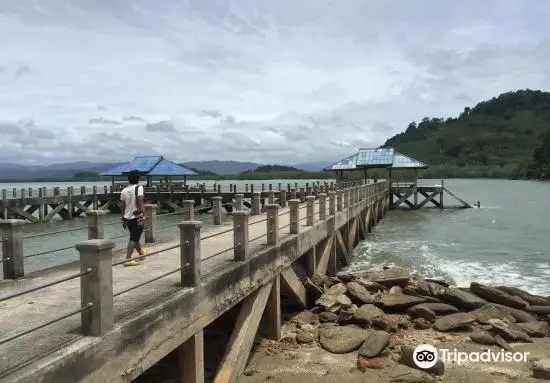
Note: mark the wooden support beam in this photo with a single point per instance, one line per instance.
(428, 198)
(242, 338)
(272, 311)
(293, 285)
(191, 359)
(343, 248)
(403, 199)
(325, 252)
(23, 214)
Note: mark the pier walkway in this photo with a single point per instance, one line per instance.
(99, 321)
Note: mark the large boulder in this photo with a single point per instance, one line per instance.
(359, 293)
(482, 337)
(453, 321)
(420, 311)
(509, 331)
(492, 294)
(541, 369)
(536, 329)
(401, 301)
(520, 315)
(462, 299)
(439, 308)
(341, 339)
(535, 300)
(541, 310)
(334, 298)
(374, 344)
(367, 313)
(390, 277)
(492, 311)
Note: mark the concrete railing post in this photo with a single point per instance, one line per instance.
(239, 202)
(190, 252)
(331, 202)
(271, 197)
(272, 224)
(256, 205)
(322, 206)
(12, 248)
(292, 193)
(96, 287)
(217, 210)
(240, 235)
(189, 210)
(96, 224)
(150, 224)
(351, 197)
(310, 210)
(282, 198)
(294, 215)
(302, 195)
(339, 195)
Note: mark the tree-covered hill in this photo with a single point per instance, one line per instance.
(495, 138)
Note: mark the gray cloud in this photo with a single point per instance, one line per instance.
(103, 121)
(249, 80)
(161, 126)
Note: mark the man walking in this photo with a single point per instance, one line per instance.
(133, 214)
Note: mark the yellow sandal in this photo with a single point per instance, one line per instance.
(133, 262)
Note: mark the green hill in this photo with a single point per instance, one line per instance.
(495, 138)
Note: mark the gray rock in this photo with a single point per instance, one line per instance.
(395, 290)
(520, 315)
(367, 313)
(438, 282)
(305, 317)
(492, 311)
(305, 337)
(508, 331)
(334, 298)
(536, 329)
(492, 294)
(359, 293)
(502, 343)
(541, 369)
(400, 301)
(462, 299)
(440, 308)
(327, 317)
(421, 324)
(420, 311)
(346, 276)
(541, 310)
(390, 277)
(375, 343)
(532, 299)
(482, 337)
(453, 321)
(307, 327)
(341, 339)
(327, 324)
(371, 286)
(404, 374)
(407, 359)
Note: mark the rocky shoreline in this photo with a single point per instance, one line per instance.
(367, 314)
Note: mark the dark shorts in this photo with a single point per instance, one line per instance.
(134, 229)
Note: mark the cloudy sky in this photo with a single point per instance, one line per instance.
(283, 81)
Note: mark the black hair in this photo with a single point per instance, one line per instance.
(133, 177)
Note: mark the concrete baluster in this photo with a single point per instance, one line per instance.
(217, 210)
(150, 224)
(240, 236)
(270, 196)
(189, 210)
(310, 210)
(256, 204)
(96, 287)
(339, 195)
(272, 224)
(302, 195)
(282, 198)
(239, 205)
(12, 248)
(96, 224)
(322, 206)
(190, 252)
(331, 202)
(292, 193)
(294, 217)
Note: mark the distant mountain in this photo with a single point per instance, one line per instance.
(222, 167)
(10, 171)
(314, 166)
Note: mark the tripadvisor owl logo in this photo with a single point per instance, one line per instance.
(425, 356)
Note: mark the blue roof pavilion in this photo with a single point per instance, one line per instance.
(379, 158)
(151, 166)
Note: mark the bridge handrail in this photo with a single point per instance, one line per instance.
(190, 245)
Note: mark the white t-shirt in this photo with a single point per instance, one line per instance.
(128, 195)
